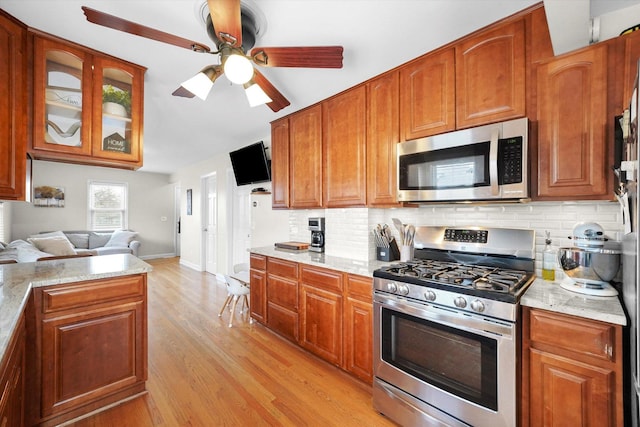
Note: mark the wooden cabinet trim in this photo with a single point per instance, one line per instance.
(322, 278)
(282, 268)
(259, 262)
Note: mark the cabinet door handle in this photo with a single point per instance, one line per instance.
(608, 350)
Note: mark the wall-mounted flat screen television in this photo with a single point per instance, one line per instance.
(250, 164)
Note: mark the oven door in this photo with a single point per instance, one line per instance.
(464, 365)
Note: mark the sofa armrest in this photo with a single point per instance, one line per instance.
(134, 245)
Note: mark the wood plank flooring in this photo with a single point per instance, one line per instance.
(203, 373)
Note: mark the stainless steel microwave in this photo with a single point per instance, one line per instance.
(481, 163)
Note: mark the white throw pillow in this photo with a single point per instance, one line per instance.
(49, 234)
(121, 238)
(53, 245)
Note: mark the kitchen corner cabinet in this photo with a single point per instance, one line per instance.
(321, 313)
(258, 287)
(344, 155)
(382, 134)
(572, 371)
(13, 109)
(358, 327)
(305, 158)
(280, 163)
(572, 150)
(282, 297)
(71, 122)
(12, 379)
(91, 346)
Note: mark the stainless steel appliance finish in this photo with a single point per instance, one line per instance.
(445, 327)
(482, 163)
(631, 261)
(316, 226)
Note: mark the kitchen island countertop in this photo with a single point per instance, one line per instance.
(550, 296)
(362, 268)
(17, 280)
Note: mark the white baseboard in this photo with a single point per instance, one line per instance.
(191, 265)
(155, 256)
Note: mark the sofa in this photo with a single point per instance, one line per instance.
(70, 243)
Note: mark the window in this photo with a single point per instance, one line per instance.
(107, 205)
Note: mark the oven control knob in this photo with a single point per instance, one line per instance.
(403, 289)
(392, 287)
(430, 295)
(460, 302)
(477, 305)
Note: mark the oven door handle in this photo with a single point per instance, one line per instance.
(493, 162)
(444, 316)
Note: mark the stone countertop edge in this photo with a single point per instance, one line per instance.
(550, 296)
(346, 265)
(17, 280)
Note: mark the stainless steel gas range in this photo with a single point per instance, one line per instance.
(445, 327)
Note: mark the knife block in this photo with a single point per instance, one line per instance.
(390, 253)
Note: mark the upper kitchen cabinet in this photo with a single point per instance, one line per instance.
(280, 163)
(572, 151)
(13, 109)
(427, 95)
(383, 128)
(305, 158)
(344, 159)
(490, 75)
(87, 106)
(631, 56)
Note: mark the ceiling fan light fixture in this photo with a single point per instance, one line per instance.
(238, 68)
(200, 84)
(255, 95)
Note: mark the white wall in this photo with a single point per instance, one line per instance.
(151, 197)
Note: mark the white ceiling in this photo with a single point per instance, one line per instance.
(377, 35)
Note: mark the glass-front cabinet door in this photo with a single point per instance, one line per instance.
(62, 94)
(117, 111)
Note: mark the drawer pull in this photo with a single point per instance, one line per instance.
(608, 350)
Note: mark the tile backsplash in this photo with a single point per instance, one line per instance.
(349, 234)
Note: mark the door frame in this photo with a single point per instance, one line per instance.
(204, 187)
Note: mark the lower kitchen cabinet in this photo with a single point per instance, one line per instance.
(321, 313)
(258, 287)
(282, 297)
(12, 379)
(358, 327)
(91, 343)
(572, 371)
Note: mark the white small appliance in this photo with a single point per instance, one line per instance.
(589, 266)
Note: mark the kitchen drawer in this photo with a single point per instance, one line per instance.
(83, 294)
(282, 268)
(583, 336)
(282, 292)
(360, 286)
(283, 321)
(259, 262)
(322, 278)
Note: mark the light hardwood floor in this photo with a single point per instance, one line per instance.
(203, 373)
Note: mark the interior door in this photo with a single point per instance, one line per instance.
(241, 223)
(211, 223)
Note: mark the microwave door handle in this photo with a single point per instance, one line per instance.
(493, 162)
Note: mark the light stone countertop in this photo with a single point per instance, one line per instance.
(16, 281)
(550, 296)
(545, 295)
(362, 268)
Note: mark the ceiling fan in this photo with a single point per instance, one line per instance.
(233, 30)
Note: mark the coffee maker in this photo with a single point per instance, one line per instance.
(316, 226)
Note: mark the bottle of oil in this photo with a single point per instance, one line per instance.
(548, 260)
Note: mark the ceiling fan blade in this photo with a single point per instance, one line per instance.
(302, 57)
(116, 23)
(278, 101)
(225, 15)
(183, 93)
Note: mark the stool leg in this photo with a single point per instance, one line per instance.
(226, 302)
(233, 309)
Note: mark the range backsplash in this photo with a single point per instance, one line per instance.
(348, 231)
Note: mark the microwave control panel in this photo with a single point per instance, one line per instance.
(510, 160)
